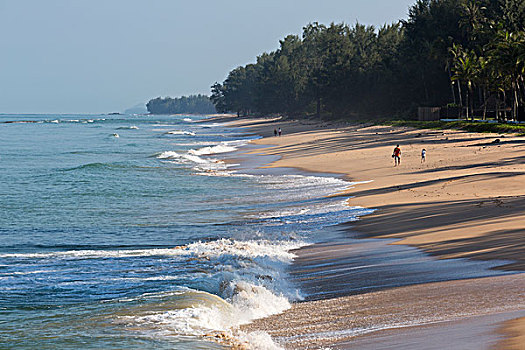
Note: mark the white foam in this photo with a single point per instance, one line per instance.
(181, 132)
(221, 148)
(185, 156)
(251, 287)
(253, 301)
(199, 163)
(278, 251)
(257, 340)
(154, 278)
(94, 254)
(250, 249)
(187, 119)
(209, 313)
(198, 143)
(198, 160)
(320, 208)
(169, 155)
(208, 166)
(207, 126)
(28, 272)
(225, 173)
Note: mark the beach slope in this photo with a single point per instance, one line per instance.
(465, 200)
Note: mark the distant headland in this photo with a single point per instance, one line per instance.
(193, 104)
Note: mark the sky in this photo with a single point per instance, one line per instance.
(100, 56)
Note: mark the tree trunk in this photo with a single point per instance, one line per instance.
(480, 96)
(318, 107)
(497, 107)
(467, 98)
(471, 101)
(515, 107)
(484, 103)
(504, 106)
(460, 98)
(521, 89)
(451, 84)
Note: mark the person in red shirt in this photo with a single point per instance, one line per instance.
(397, 156)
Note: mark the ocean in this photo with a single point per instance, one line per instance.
(129, 231)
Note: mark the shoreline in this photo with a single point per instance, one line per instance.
(484, 189)
(311, 147)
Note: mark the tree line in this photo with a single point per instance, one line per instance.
(193, 104)
(468, 54)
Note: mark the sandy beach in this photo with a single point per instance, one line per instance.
(465, 201)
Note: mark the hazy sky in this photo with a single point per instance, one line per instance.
(90, 56)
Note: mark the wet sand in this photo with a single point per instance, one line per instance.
(465, 201)
(345, 321)
(476, 333)
(513, 334)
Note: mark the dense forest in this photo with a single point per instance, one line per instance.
(193, 104)
(462, 54)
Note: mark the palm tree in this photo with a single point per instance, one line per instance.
(508, 57)
(456, 51)
(483, 81)
(465, 70)
(473, 18)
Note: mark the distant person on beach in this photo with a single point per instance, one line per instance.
(397, 156)
(423, 155)
(274, 132)
(280, 132)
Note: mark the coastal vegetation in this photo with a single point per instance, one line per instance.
(459, 125)
(467, 55)
(193, 104)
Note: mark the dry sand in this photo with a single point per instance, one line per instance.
(466, 200)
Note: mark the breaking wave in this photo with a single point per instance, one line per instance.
(278, 251)
(198, 158)
(211, 275)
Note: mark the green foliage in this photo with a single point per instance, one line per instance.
(461, 125)
(513, 15)
(193, 104)
(466, 52)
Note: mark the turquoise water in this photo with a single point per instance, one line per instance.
(129, 232)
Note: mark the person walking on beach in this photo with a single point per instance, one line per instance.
(423, 155)
(280, 131)
(274, 132)
(397, 156)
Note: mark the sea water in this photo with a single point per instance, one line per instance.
(129, 231)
